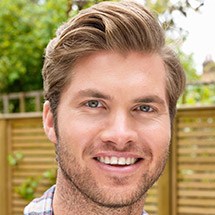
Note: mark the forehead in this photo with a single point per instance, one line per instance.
(125, 73)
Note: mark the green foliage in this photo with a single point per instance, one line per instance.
(28, 188)
(25, 28)
(50, 175)
(189, 67)
(15, 158)
(199, 94)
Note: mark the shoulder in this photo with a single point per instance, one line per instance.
(42, 205)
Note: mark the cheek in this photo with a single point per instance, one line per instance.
(159, 136)
(77, 135)
(159, 141)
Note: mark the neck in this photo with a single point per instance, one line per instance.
(68, 200)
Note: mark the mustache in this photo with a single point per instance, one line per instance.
(129, 147)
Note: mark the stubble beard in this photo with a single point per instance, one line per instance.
(83, 182)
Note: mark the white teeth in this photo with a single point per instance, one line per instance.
(113, 160)
(117, 161)
(106, 160)
(122, 161)
(128, 160)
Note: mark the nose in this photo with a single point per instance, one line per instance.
(119, 130)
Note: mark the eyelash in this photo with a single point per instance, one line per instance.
(97, 104)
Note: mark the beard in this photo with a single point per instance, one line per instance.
(83, 181)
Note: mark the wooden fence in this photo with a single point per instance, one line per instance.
(21, 102)
(187, 186)
(193, 162)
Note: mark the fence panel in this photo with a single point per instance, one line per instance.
(25, 137)
(194, 172)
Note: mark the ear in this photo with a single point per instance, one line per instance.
(48, 122)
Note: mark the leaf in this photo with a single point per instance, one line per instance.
(14, 158)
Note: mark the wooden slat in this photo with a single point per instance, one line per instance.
(196, 202)
(199, 193)
(196, 141)
(197, 176)
(196, 210)
(30, 138)
(196, 185)
(195, 134)
(197, 167)
(199, 125)
(24, 130)
(36, 152)
(32, 145)
(200, 151)
(203, 160)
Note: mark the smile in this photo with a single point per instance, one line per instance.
(117, 161)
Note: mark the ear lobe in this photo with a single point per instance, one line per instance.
(48, 122)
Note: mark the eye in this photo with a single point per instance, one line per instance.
(93, 104)
(145, 108)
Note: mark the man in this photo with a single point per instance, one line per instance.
(111, 87)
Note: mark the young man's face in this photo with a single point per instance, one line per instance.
(113, 126)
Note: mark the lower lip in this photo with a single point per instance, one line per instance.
(119, 169)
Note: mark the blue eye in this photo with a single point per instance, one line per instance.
(145, 108)
(93, 104)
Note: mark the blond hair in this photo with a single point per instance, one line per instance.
(111, 26)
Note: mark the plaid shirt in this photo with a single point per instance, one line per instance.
(43, 205)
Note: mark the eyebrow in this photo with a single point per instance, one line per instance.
(97, 94)
(93, 93)
(150, 99)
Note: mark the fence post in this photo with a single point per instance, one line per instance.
(5, 104)
(22, 102)
(173, 167)
(164, 192)
(3, 167)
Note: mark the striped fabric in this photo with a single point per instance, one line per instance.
(43, 205)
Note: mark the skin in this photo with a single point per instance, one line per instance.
(115, 106)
